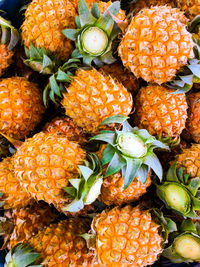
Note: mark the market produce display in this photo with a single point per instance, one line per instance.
(100, 134)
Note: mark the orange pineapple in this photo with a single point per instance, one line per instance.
(189, 160)
(127, 237)
(156, 44)
(190, 7)
(192, 130)
(14, 196)
(45, 163)
(117, 71)
(21, 107)
(27, 222)
(5, 58)
(94, 96)
(43, 25)
(61, 245)
(67, 127)
(160, 112)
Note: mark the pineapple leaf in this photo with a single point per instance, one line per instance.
(115, 119)
(54, 86)
(70, 191)
(195, 69)
(86, 172)
(153, 162)
(115, 165)
(142, 173)
(75, 183)
(87, 60)
(188, 225)
(95, 11)
(62, 76)
(76, 54)
(70, 33)
(47, 61)
(193, 185)
(74, 206)
(196, 203)
(131, 170)
(108, 58)
(105, 137)
(107, 154)
(171, 174)
(78, 23)
(46, 94)
(85, 14)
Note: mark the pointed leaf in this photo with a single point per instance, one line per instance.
(26, 259)
(115, 165)
(193, 185)
(70, 191)
(127, 127)
(108, 58)
(62, 76)
(46, 95)
(132, 167)
(107, 154)
(87, 60)
(78, 23)
(34, 53)
(187, 79)
(105, 137)
(171, 225)
(84, 14)
(95, 11)
(76, 54)
(70, 34)
(142, 173)
(196, 203)
(188, 225)
(186, 178)
(54, 86)
(195, 69)
(153, 162)
(171, 174)
(75, 183)
(180, 175)
(85, 171)
(115, 119)
(159, 144)
(74, 206)
(46, 61)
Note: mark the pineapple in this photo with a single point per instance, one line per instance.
(43, 25)
(156, 44)
(189, 160)
(190, 7)
(27, 222)
(12, 194)
(9, 38)
(127, 237)
(160, 112)
(113, 192)
(192, 130)
(117, 71)
(67, 127)
(21, 107)
(61, 245)
(94, 96)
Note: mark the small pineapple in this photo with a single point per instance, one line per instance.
(127, 237)
(94, 96)
(160, 112)
(27, 222)
(67, 127)
(117, 71)
(156, 44)
(12, 194)
(61, 244)
(9, 38)
(21, 107)
(192, 130)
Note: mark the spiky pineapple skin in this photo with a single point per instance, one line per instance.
(43, 25)
(67, 127)
(60, 245)
(21, 107)
(28, 222)
(189, 160)
(92, 97)
(45, 163)
(117, 71)
(137, 5)
(192, 130)
(5, 58)
(126, 237)
(156, 44)
(190, 7)
(112, 190)
(14, 196)
(160, 112)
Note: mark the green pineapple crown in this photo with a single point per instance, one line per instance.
(190, 73)
(9, 35)
(185, 246)
(85, 189)
(129, 150)
(95, 34)
(180, 193)
(22, 256)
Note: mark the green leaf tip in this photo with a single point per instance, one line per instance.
(22, 256)
(86, 189)
(179, 193)
(129, 150)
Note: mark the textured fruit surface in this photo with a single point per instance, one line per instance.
(21, 107)
(156, 44)
(67, 127)
(43, 25)
(189, 160)
(92, 97)
(45, 163)
(5, 58)
(192, 131)
(140, 4)
(127, 237)
(190, 7)
(14, 195)
(160, 112)
(60, 244)
(117, 71)
(28, 222)
(112, 190)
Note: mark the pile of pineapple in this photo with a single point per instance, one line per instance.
(100, 133)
